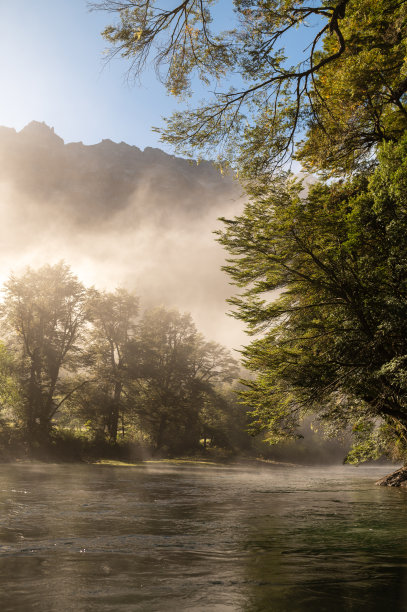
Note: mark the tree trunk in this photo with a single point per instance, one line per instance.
(160, 433)
(34, 400)
(31, 396)
(114, 415)
(395, 479)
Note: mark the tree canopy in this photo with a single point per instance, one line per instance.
(44, 310)
(323, 271)
(114, 317)
(89, 361)
(178, 373)
(330, 102)
(334, 336)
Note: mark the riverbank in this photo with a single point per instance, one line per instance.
(65, 446)
(398, 478)
(237, 461)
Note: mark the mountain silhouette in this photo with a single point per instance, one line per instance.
(94, 182)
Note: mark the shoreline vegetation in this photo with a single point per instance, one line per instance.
(86, 376)
(396, 479)
(319, 265)
(126, 387)
(101, 453)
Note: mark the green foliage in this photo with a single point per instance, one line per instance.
(77, 360)
(323, 275)
(347, 89)
(10, 390)
(177, 373)
(325, 282)
(359, 101)
(43, 313)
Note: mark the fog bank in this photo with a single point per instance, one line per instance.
(119, 217)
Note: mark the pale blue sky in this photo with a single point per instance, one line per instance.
(52, 70)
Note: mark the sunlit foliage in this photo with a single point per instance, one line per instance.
(345, 86)
(44, 312)
(323, 273)
(334, 338)
(86, 360)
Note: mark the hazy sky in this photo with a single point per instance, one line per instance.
(52, 70)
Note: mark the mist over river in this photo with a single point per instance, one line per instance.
(165, 537)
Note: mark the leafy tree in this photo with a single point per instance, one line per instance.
(224, 421)
(176, 371)
(347, 89)
(334, 335)
(361, 100)
(333, 260)
(10, 390)
(104, 400)
(44, 311)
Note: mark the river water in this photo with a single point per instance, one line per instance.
(167, 537)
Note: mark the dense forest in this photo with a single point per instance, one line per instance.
(322, 271)
(320, 268)
(88, 374)
(84, 370)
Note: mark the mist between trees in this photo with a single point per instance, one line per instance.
(80, 360)
(324, 84)
(86, 374)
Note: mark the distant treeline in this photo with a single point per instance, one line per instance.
(87, 365)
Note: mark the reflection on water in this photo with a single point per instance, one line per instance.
(101, 538)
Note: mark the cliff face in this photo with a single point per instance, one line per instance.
(118, 216)
(94, 182)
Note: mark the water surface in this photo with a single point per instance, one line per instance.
(170, 537)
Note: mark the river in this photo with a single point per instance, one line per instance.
(166, 537)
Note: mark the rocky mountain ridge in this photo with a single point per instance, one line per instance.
(93, 182)
(119, 216)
